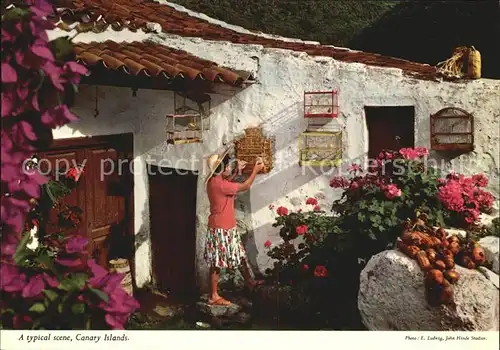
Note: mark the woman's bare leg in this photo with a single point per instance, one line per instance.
(214, 283)
(214, 297)
(247, 275)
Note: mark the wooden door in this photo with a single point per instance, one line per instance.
(172, 205)
(104, 192)
(389, 128)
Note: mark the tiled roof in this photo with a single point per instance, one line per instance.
(154, 60)
(97, 15)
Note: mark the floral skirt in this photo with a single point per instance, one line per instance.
(224, 248)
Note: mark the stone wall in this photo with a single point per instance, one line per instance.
(275, 103)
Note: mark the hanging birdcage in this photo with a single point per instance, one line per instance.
(452, 129)
(320, 148)
(188, 122)
(321, 104)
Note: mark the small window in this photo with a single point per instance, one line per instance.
(452, 129)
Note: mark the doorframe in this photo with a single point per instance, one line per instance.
(194, 292)
(127, 139)
(367, 131)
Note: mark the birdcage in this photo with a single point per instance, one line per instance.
(321, 104)
(190, 118)
(252, 145)
(184, 128)
(320, 148)
(452, 129)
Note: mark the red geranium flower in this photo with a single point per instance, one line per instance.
(282, 211)
(305, 267)
(267, 244)
(320, 271)
(301, 229)
(311, 201)
(317, 208)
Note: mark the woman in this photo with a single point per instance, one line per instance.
(224, 248)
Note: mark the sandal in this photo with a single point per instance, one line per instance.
(219, 302)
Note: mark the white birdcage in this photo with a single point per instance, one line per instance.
(187, 123)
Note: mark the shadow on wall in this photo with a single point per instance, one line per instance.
(428, 32)
(107, 110)
(287, 176)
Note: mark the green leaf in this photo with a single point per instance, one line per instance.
(15, 14)
(46, 260)
(37, 307)
(50, 294)
(376, 219)
(103, 296)
(60, 308)
(74, 283)
(78, 309)
(22, 250)
(62, 48)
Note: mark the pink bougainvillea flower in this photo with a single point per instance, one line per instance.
(311, 201)
(51, 280)
(58, 116)
(267, 244)
(76, 244)
(301, 229)
(74, 71)
(9, 74)
(68, 262)
(11, 280)
(21, 321)
(282, 211)
(34, 287)
(392, 191)
(320, 271)
(317, 208)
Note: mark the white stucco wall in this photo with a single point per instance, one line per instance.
(275, 102)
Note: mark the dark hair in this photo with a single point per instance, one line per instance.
(222, 165)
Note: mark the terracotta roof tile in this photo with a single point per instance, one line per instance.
(154, 60)
(135, 14)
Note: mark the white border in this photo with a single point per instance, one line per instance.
(252, 340)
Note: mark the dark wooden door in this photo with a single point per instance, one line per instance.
(104, 192)
(390, 128)
(172, 205)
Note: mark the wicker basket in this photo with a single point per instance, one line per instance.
(123, 266)
(254, 145)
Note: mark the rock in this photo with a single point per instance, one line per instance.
(486, 220)
(392, 297)
(217, 310)
(490, 244)
(236, 314)
(490, 275)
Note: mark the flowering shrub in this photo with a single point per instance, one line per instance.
(464, 196)
(55, 286)
(52, 286)
(367, 219)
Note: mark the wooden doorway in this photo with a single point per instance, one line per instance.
(104, 193)
(172, 208)
(389, 128)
